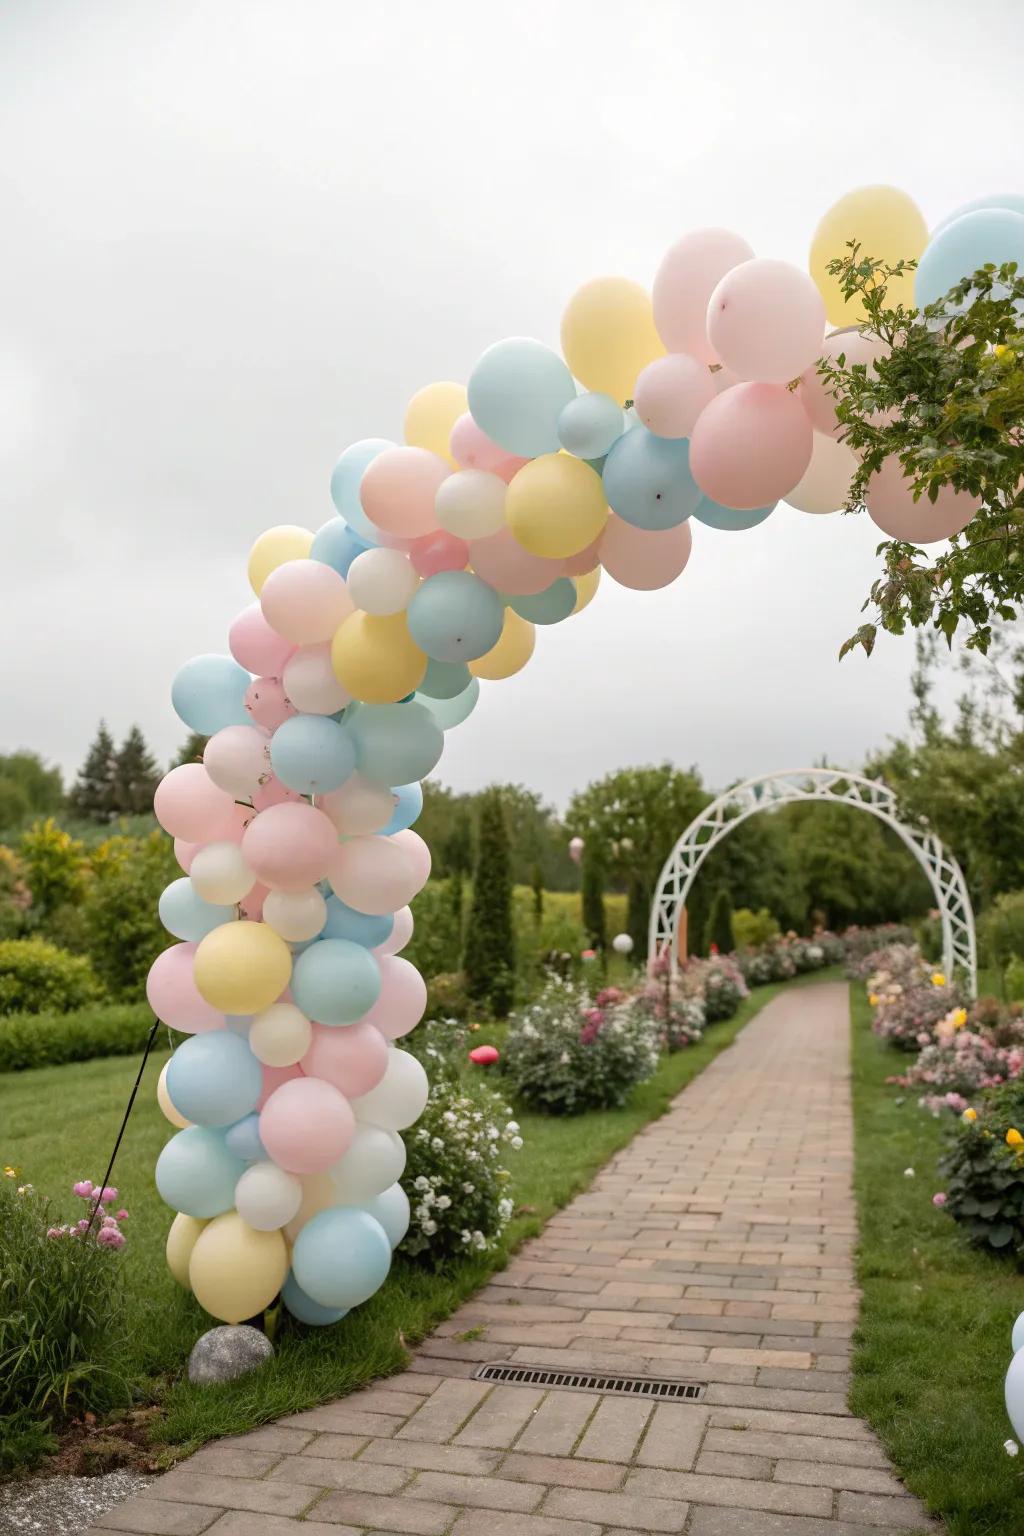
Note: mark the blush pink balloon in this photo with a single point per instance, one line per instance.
(251, 905)
(267, 703)
(173, 995)
(671, 392)
(817, 401)
(891, 506)
(306, 1125)
(400, 934)
(642, 559)
(273, 792)
(751, 445)
(398, 488)
(353, 1059)
(373, 875)
(306, 601)
(506, 566)
(237, 757)
(686, 279)
(403, 999)
(471, 448)
(189, 805)
(255, 646)
(582, 564)
(766, 320)
(185, 853)
(439, 552)
(274, 1078)
(290, 847)
(416, 851)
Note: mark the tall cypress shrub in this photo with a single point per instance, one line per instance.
(719, 929)
(489, 958)
(593, 896)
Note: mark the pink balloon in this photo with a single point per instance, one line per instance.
(255, 646)
(766, 320)
(373, 875)
(274, 1077)
(173, 995)
(251, 905)
(400, 934)
(403, 999)
(189, 805)
(505, 565)
(416, 851)
(237, 757)
(473, 449)
(306, 1125)
(267, 703)
(891, 506)
(290, 847)
(273, 792)
(398, 488)
(306, 601)
(686, 279)
(641, 559)
(671, 392)
(582, 564)
(352, 1059)
(185, 853)
(817, 401)
(439, 552)
(751, 445)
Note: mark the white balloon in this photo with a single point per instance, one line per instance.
(220, 874)
(1015, 1393)
(309, 682)
(381, 581)
(295, 915)
(471, 504)
(622, 944)
(391, 1209)
(375, 1159)
(280, 1036)
(360, 807)
(267, 1197)
(1017, 1336)
(826, 480)
(237, 759)
(399, 1098)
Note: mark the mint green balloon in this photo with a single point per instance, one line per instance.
(551, 606)
(451, 712)
(395, 743)
(445, 679)
(454, 616)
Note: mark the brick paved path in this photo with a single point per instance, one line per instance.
(715, 1249)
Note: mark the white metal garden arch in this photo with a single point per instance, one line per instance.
(833, 786)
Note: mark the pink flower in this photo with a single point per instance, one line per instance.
(83, 1189)
(122, 1215)
(109, 1194)
(82, 1226)
(110, 1237)
(939, 1199)
(55, 1231)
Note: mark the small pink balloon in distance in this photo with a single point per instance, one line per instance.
(751, 445)
(484, 1055)
(353, 1059)
(766, 320)
(891, 507)
(439, 551)
(306, 601)
(173, 995)
(507, 567)
(189, 805)
(306, 1125)
(373, 874)
(471, 448)
(671, 392)
(402, 1001)
(273, 1077)
(256, 646)
(400, 934)
(818, 402)
(398, 489)
(267, 703)
(686, 279)
(290, 847)
(643, 559)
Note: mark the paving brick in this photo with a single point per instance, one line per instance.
(875, 1509)
(631, 1511)
(831, 1475)
(233, 1461)
(272, 1437)
(479, 1522)
(799, 1448)
(160, 1517)
(241, 1523)
(737, 1492)
(344, 1418)
(673, 1436)
(411, 1517)
(445, 1411)
(272, 1498)
(558, 1423)
(731, 1464)
(614, 1432)
(563, 1471)
(708, 1521)
(476, 1492)
(323, 1472)
(499, 1420)
(339, 1446)
(427, 1457)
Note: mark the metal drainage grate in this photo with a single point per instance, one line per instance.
(588, 1381)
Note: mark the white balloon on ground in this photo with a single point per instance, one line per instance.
(399, 1098)
(826, 480)
(310, 683)
(391, 1209)
(381, 581)
(1017, 1336)
(280, 1035)
(375, 1159)
(1014, 1390)
(219, 873)
(295, 915)
(267, 1197)
(360, 807)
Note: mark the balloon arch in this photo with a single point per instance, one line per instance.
(834, 787)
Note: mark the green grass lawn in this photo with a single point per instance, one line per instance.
(933, 1344)
(57, 1125)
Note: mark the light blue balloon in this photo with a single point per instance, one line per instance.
(196, 1174)
(343, 922)
(208, 693)
(312, 753)
(1014, 201)
(345, 481)
(590, 424)
(444, 679)
(243, 1139)
(214, 1078)
(993, 235)
(729, 519)
(337, 546)
(187, 915)
(448, 713)
(334, 981)
(517, 392)
(454, 616)
(395, 743)
(304, 1309)
(408, 806)
(391, 1209)
(647, 480)
(551, 606)
(341, 1257)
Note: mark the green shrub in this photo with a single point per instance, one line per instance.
(48, 1039)
(751, 929)
(447, 997)
(1001, 929)
(436, 944)
(125, 933)
(985, 1176)
(37, 977)
(489, 951)
(718, 935)
(1013, 979)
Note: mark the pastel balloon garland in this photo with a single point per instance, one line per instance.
(370, 638)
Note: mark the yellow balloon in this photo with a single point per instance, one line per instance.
(888, 226)
(275, 547)
(555, 506)
(319, 1193)
(181, 1240)
(609, 336)
(163, 1098)
(376, 658)
(236, 1271)
(512, 652)
(431, 414)
(586, 588)
(242, 967)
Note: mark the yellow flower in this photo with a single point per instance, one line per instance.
(10, 1173)
(938, 979)
(959, 1018)
(873, 999)
(1014, 1138)
(970, 1115)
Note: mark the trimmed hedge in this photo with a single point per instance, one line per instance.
(37, 977)
(48, 1039)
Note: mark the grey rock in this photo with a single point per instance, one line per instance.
(226, 1353)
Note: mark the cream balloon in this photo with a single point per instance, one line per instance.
(375, 1160)
(163, 1098)
(310, 684)
(267, 1197)
(295, 915)
(181, 1239)
(826, 480)
(471, 504)
(360, 807)
(381, 581)
(280, 1035)
(220, 874)
(399, 1098)
(318, 1194)
(235, 1271)
(237, 759)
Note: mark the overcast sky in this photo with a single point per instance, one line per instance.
(238, 235)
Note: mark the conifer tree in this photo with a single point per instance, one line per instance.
(489, 955)
(593, 895)
(719, 930)
(136, 775)
(93, 794)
